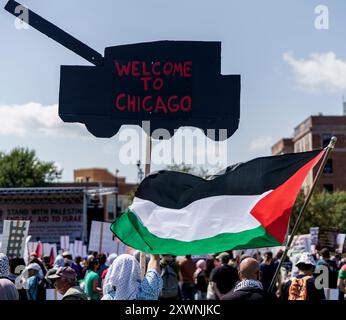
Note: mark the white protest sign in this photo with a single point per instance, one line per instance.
(26, 251)
(71, 249)
(65, 243)
(14, 236)
(101, 238)
(340, 240)
(78, 248)
(53, 294)
(331, 294)
(32, 247)
(84, 251)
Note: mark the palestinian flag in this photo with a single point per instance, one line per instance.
(247, 206)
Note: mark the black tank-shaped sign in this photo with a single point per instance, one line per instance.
(170, 83)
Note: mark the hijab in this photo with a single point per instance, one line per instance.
(123, 279)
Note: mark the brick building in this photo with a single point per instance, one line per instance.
(314, 133)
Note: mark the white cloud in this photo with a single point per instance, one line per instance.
(36, 119)
(261, 143)
(320, 72)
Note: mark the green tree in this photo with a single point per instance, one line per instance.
(20, 168)
(325, 210)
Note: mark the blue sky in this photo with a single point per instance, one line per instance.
(289, 68)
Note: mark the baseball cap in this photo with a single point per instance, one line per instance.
(223, 257)
(63, 272)
(307, 259)
(66, 253)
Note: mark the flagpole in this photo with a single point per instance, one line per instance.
(329, 149)
(142, 256)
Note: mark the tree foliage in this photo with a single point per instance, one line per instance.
(325, 210)
(20, 168)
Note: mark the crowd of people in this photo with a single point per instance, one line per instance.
(215, 277)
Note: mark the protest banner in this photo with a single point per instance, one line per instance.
(48, 221)
(14, 236)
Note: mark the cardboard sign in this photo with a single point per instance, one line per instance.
(101, 238)
(170, 83)
(14, 236)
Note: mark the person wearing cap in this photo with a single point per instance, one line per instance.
(8, 290)
(65, 282)
(68, 260)
(223, 278)
(302, 287)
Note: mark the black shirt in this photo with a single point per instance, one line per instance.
(225, 278)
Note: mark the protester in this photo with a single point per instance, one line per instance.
(342, 282)
(92, 280)
(78, 261)
(201, 279)
(85, 265)
(35, 285)
(109, 261)
(102, 258)
(8, 290)
(212, 263)
(332, 267)
(267, 270)
(65, 282)
(187, 269)
(46, 262)
(249, 287)
(303, 286)
(35, 259)
(17, 265)
(223, 278)
(123, 280)
(68, 260)
(170, 278)
(59, 261)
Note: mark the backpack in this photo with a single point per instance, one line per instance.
(298, 289)
(170, 287)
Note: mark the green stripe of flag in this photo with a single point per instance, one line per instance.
(131, 231)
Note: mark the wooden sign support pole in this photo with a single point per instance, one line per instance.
(146, 172)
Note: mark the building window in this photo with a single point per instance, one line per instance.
(328, 187)
(328, 168)
(326, 139)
